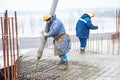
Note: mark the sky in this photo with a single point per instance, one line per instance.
(41, 5)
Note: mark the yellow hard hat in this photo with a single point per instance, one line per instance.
(46, 17)
(91, 13)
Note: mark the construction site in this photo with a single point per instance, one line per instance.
(18, 55)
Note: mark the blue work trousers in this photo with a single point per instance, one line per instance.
(83, 42)
(63, 57)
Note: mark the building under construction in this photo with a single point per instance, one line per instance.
(100, 62)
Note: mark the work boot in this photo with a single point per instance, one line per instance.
(82, 51)
(64, 65)
(60, 63)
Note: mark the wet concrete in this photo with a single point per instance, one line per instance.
(87, 66)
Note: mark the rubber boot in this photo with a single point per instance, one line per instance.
(64, 65)
(60, 63)
(82, 50)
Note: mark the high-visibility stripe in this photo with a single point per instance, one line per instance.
(83, 20)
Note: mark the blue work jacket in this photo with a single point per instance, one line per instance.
(56, 29)
(83, 26)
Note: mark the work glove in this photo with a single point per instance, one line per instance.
(43, 33)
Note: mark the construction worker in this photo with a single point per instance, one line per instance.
(83, 26)
(61, 39)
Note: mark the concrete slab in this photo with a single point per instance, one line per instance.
(88, 66)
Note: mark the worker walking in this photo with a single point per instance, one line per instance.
(83, 26)
(61, 39)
